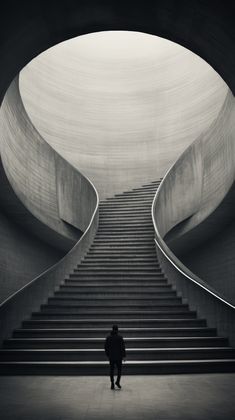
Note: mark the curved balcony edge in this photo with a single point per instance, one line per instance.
(208, 303)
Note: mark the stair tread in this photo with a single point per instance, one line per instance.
(105, 320)
(121, 329)
(129, 362)
(101, 339)
(137, 349)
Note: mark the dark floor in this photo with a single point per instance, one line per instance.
(198, 397)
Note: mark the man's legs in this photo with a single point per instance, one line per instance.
(112, 363)
(119, 369)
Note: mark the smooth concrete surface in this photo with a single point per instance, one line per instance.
(120, 106)
(76, 196)
(213, 260)
(22, 257)
(29, 299)
(30, 166)
(19, 215)
(195, 189)
(200, 179)
(170, 397)
(208, 249)
(54, 192)
(201, 297)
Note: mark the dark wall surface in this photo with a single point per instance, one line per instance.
(214, 262)
(22, 257)
(205, 27)
(209, 249)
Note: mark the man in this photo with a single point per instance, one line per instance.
(116, 352)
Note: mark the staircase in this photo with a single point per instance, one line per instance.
(119, 281)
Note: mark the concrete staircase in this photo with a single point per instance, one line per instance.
(119, 281)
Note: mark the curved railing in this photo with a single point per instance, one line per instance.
(68, 183)
(180, 188)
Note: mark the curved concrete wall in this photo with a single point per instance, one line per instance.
(201, 177)
(29, 298)
(193, 202)
(49, 187)
(22, 257)
(213, 260)
(43, 196)
(120, 106)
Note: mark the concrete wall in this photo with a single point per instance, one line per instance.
(208, 249)
(120, 106)
(38, 175)
(214, 261)
(46, 200)
(201, 177)
(22, 257)
(194, 205)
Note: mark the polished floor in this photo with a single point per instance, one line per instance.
(197, 397)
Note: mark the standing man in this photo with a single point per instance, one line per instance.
(116, 352)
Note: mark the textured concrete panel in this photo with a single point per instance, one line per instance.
(30, 165)
(181, 195)
(211, 164)
(205, 205)
(22, 257)
(74, 194)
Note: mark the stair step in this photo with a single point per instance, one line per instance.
(124, 209)
(99, 298)
(115, 291)
(123, 241)
(133, 236)
(121, 253)
(144, 224)
(145, 275)
(122, 264)
(137, 367)
(124, 197)
(125, 206)
(137, 342)
(128, 230)
(115, 301)
(133, 354)
(123, 323)
(133, 211)
(117, 260)
(135, 194)
(117, 270)
(154, 277)
(111, 315)
(129, 218)
(152, 188)
(115, 282)
(131, 247)
(107, 288)
(103, 332)
(87, 307)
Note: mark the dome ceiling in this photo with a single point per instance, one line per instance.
(120, 106)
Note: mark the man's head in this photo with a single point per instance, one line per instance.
(115, 329)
